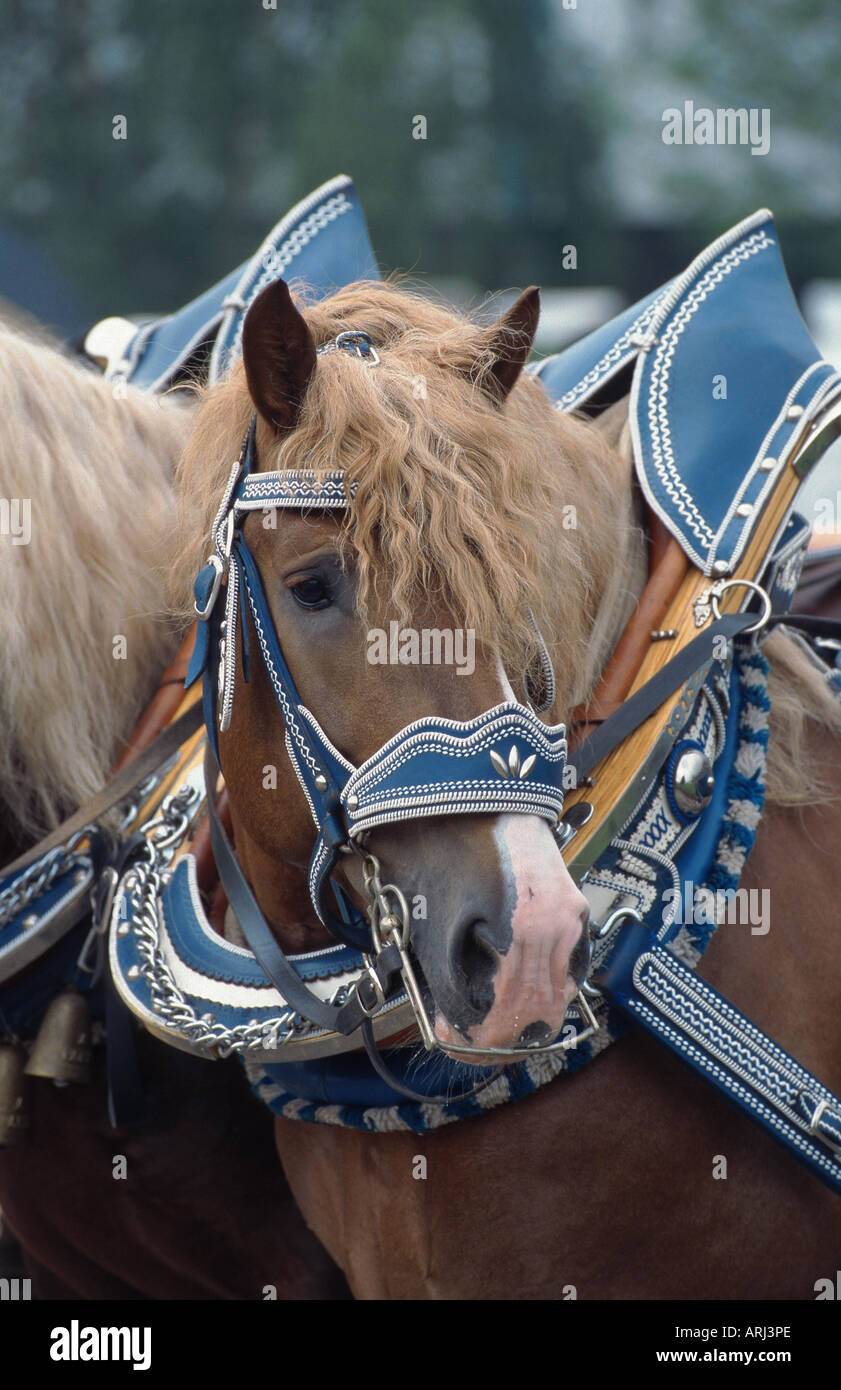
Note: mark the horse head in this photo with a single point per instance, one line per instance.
(395, 538)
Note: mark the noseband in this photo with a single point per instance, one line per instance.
(502, 761)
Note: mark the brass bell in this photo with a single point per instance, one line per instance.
(14, 1111)
(62, 1050)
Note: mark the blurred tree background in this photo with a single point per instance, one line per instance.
(544, 128)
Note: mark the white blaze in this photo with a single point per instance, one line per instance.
(532, 981)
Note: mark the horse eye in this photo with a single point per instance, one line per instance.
(312, 592)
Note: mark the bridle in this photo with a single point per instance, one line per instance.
(502, 761)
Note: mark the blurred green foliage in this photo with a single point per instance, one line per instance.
(234, 111)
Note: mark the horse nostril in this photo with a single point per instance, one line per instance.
(580, 956)
(537, 1032)
(476, 960)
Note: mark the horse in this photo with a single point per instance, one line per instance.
(475, 506)
(86, 477)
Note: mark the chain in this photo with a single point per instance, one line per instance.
(130, 809)
(384, 920)
(143, 883)
(387, 927)
(40, 876)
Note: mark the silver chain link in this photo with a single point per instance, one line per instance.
(385, 921)
(143, 883)
(40, 876)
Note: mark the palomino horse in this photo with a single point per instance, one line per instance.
(87, 479)
(462, 477)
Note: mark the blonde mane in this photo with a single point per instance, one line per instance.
(94, 468)
(487, 511)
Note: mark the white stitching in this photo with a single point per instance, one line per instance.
(611, 358)
(662, 453)
(300, 237)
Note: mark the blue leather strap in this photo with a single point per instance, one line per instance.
(345, 1018)
(719, 1042)
(313, 757)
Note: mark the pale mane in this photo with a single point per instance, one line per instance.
(491, 511)
(95, 468)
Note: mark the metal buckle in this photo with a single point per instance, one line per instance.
(371, 978)
(204, 613)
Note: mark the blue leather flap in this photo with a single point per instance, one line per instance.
(727, 377)
(322, 242)
(209, 955)
(572, 376)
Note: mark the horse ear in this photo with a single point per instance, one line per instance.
(278, 353)
(511, 341)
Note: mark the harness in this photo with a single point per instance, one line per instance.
(322, 241)
(672, 816)
(669, 780)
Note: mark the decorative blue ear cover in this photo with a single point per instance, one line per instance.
(322, 242)
(707, 463)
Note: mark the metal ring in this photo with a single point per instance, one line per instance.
(745, 584)
(405, 914)
(380, 909)
(351, 339)
(586, 1016)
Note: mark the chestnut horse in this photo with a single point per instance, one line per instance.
(202, 1212)
(475, 501)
